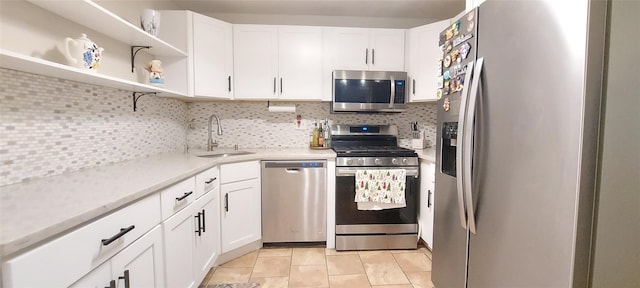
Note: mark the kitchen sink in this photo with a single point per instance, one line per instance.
(226, 154)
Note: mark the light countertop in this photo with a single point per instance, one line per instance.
(428, 154)
(38, 210)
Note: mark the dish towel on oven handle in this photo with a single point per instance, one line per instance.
(380, 189)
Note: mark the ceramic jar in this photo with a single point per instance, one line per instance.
(83, 53)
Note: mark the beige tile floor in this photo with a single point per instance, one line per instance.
(320, 267)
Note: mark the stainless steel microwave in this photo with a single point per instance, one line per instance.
(369, 91)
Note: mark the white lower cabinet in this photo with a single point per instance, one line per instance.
(178, 237)
(207, 242)
(192, 237)
(427, 189)
(139, 265)
(240, 197)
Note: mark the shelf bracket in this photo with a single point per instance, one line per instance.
(137, 95)
(134, 51)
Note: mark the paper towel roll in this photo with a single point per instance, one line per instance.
(287, 108)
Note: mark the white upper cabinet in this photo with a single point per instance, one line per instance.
(361, 49)
(277, 62)
(365, 49)
(208, 70)
(422, 60)
(387, 49)
(300, 62)
(255, 61)
(212, 57)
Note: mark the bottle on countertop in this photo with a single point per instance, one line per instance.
(315, 138)
(320, 135)
(327, 135)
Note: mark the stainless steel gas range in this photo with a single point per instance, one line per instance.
(368, 148)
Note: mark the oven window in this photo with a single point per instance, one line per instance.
(347, 212)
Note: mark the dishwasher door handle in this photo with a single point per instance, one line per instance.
(293, 170)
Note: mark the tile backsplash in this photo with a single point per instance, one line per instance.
(250, 125)
(49, 126)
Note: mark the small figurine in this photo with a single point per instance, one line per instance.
(155, 72)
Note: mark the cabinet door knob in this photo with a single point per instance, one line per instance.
(226, 202)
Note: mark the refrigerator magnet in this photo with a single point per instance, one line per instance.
(446, 104)
(440, 82)
(447, 61)
(440, 67)
(439, 94)
(464, 50)
(448, 34)
(470, 27)
(470, 16)
(455, 55)
(447, 75)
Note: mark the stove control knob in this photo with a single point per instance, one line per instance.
(404, 160)
(394, 161)
(361, 161)
(377, 161)
(349, 161)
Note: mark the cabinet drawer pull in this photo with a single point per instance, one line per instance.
(210, 180)
(199, 231)
(373, 56)
(274, 85)
(204, 226)
(112, 284)
(280, 85)
(126, 279)
(123, 231)
(414, 86)
(428, 198)
(229, 79)
(366, 56)
(184, 196)
(226, 202)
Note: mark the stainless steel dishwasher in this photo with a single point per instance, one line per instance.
(294, 201)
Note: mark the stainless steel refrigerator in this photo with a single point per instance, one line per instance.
(518, 116)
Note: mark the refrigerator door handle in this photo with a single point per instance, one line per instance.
(468, 144)
(460, 144)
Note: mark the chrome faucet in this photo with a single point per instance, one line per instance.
(210, 143)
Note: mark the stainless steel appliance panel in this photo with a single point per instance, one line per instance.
(369, 91)
(294, 197)
(376, 242)
(528, 150)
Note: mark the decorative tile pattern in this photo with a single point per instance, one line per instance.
(250, 125)
(49, 126)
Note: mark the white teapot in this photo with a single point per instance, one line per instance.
(83, 53)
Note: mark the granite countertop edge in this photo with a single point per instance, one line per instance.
(25, 223)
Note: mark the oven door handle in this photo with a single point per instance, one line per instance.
(351, 171)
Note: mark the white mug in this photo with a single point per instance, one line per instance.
(150, 21)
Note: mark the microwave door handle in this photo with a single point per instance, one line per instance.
(393, 92)
(468, 144)
(460, 144)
